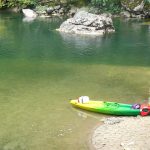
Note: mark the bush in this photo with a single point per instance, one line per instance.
(17, 3)
(107, 5)
(2, 4)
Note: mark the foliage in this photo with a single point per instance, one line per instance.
(2, 3)
(17, 3)
(79, 2)
(108, 5)
(147, 1)
(105, 2)
(26, 3)
(147, 5)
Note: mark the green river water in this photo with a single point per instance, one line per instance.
(41, 69)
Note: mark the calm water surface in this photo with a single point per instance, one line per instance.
(41, 69)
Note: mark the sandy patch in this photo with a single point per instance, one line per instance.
(122, 133)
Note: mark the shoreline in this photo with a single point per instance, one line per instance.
(90, 138)
(122, 133)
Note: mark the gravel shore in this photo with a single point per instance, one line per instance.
(122, 133)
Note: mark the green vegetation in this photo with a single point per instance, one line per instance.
(26, 3)
(113, 6)
(17, 3)
(108, 5)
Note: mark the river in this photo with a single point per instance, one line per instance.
(41, 69)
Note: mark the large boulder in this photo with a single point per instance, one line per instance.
(87, 23)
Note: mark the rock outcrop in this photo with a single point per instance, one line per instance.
(136, 8)
(87, 23)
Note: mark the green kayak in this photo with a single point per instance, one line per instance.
(111, 108)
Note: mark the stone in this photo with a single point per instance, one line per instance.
(87, 23)
(112, 120)
(49, 10)
(125, 14)
(29, 13)
(139, 8)
(61, 10)
(147, 14)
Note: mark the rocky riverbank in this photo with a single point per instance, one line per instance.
(123, 133)
(44, 8)
(128, 9)
(135, 9)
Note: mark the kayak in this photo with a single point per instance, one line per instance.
(112, 108)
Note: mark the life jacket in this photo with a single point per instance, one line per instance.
(145, 109)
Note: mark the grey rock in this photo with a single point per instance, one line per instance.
(139, 8)
(87, 23)
(49, 10)
(125, 14)
(147, 14)
(29, 13)
(61, 11)
(112, 120)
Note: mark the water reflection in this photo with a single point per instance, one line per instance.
(81, 46)
(81, 41)
(87, 114)
(28, 19)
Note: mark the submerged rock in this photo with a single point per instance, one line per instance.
(87, 23)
